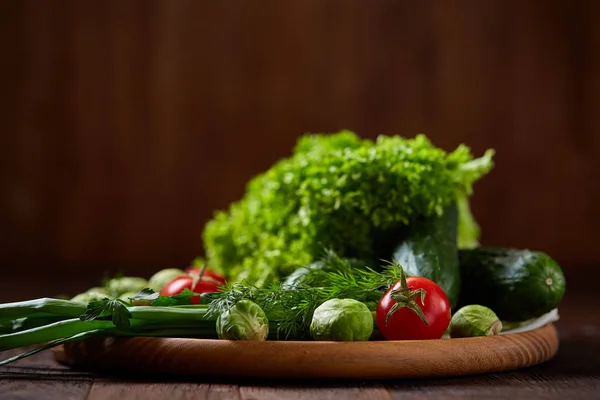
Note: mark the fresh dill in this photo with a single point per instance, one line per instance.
(291, 308)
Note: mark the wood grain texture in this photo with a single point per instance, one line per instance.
(312, 360)
(172, 391)
(14, 389)
(55, 382)
(125, 124)
(367, 392)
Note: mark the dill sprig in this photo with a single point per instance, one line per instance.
(365, 285)
(343, 278)
(291, 309)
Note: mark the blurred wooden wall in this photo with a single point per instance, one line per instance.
(124, 124)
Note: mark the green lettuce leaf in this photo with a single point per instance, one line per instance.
(344, 193)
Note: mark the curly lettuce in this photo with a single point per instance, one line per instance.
(344, 193)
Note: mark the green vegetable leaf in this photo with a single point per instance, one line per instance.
(146, 294)
(471, 171)
(183, 298)
(164, 301)
(468, 229)
(341, 192)
(145, 297)
(103, 309)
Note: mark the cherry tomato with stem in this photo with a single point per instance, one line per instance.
(207, 273)
(414, 308)
(198, 282)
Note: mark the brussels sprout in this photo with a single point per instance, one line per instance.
(119, 286)
(162, 277)
(474, 320)
(91, 295)
(125, 297)
(342, 320)
(244, 321)
(98, 289)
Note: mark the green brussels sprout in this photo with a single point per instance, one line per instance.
(162, 277)
(91, 295)
(125, 297)
(98, 289)
(118, 286)
(244, 321)
(474, 320)
(342, 320)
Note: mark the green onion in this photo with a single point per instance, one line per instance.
(49, 346)
(106, 316)
(41, 307)
(46, 333)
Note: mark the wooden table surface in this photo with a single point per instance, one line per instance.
(573, 373)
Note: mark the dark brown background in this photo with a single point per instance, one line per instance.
(124, 124)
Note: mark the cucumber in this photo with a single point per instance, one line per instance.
(516, 284)
(429, 249)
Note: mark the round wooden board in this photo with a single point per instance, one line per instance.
(304, 360)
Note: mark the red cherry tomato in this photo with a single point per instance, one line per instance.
(405, 323)
(207, 272)
(178, 284)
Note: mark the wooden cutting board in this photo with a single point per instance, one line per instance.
(303, 360)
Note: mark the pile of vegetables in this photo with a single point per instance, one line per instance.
(342, 193)
(299, 257)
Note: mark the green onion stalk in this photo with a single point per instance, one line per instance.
(75, 326)
(140, 321)
(41, 308)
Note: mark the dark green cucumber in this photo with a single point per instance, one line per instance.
(516, 284)
(429, 250)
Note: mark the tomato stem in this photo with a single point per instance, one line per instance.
(197, 278)
(406, 297)
(200, 277)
